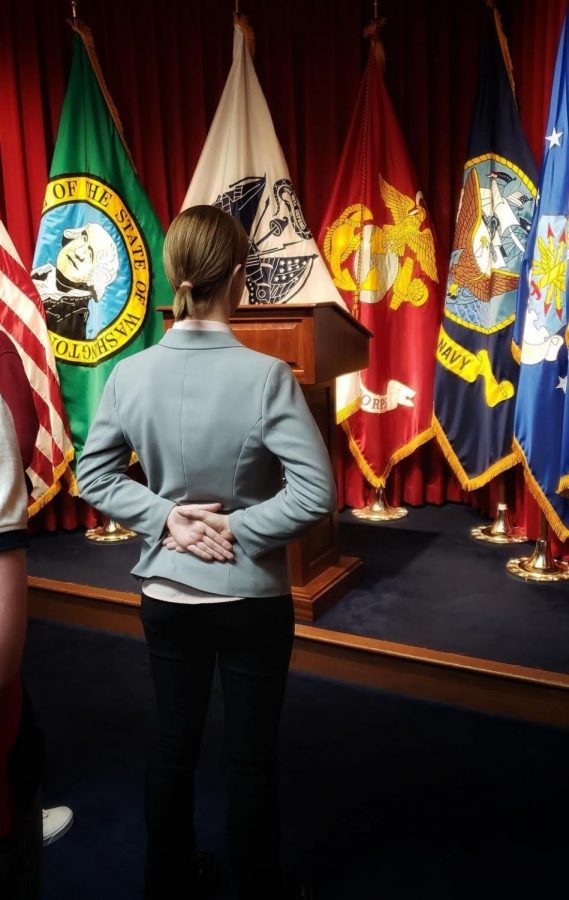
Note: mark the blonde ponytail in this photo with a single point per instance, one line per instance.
(202, 248)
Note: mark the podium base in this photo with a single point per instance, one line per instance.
(318, 595)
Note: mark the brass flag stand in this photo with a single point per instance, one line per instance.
(501, 531)
(540, 566)
(380, 510)
(109, 533)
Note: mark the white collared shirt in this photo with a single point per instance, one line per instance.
(201, 325)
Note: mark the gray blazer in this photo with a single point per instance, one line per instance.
(209, 420)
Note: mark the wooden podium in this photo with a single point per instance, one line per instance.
(319, 341)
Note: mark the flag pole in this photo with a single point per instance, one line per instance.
(379, 509)
(540, 566)
(501, 531)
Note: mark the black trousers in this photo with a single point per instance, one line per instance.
(21, 850)
(252, 641)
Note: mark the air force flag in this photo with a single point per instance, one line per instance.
(542, 413)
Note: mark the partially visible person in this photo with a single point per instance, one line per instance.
(20, 810)
(56, 821)
(16, 391)
(214, 426)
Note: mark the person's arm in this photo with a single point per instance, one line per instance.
(102, 473)
(105, 484)
(309, 494)
(13, 540)
(19, 398)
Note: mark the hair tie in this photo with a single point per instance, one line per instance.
(187, 284)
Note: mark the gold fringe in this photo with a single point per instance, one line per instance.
(86, 36)
(366, 469)
(44, 499)
(467, 483)
(58, 473)
(516, 353)
(72, 485)
(372, 32)
(537, 493)
(242, 22)
(563, 484)
(348, 410)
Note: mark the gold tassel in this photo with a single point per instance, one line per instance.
(372, 34)
(86, 36)
(243, 23)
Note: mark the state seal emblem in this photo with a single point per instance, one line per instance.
(93, 270)
(494, 219)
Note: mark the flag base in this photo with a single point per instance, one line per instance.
(379, 510)
(500, 531)
(109, 533)
(540, 566)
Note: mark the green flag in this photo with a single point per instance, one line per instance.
(98, 259)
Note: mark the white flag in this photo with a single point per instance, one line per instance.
(243, 171)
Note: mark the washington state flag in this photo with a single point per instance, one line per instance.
(97, 263)
(477, 376)
(379, 243)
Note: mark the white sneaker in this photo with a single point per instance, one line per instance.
(56, 822)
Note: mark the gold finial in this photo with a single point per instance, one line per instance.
(243, 23)
(503, 41)
(74, 10)
(372, 33)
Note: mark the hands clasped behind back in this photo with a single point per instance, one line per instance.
(200, 528)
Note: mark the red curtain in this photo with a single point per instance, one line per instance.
(166, 64)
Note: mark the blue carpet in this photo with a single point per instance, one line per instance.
(384, 798)
(424, 582)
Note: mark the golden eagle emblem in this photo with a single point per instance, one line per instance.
(370, 259)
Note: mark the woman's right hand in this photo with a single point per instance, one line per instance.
(200, 529)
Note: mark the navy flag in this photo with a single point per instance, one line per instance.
(541, 335)
(476, 374)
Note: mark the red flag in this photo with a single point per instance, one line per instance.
(379, 244)
(22, 318)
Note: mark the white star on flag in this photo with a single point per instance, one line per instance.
(562, 384)
(553, 138)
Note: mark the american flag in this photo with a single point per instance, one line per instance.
(22, 318)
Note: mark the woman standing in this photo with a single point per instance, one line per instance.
(213, 424)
